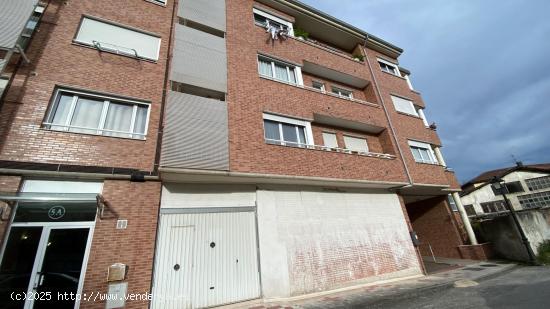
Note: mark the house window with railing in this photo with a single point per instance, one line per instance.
(287, 131)
(80, 112)
(118, 39)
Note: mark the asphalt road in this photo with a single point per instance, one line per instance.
(524, 287)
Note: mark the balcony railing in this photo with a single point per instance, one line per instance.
(327, 48)
(319, 91)
(329, 149)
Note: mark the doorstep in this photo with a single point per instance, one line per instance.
(377, 293)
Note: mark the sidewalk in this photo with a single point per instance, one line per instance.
(375, 295)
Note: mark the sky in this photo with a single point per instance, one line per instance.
(482, 66)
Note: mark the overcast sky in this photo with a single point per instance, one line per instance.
(482, 66)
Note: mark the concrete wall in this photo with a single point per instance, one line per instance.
(506, 242)
(313, 240)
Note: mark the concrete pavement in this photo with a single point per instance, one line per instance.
(382, 295)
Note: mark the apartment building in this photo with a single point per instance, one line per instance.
(211, 152)
(79, 132)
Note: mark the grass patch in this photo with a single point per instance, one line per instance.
(544, 253)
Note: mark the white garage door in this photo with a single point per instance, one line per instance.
(206, 259)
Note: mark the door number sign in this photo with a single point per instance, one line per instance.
(56, 212)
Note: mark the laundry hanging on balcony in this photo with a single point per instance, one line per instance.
(276, 31)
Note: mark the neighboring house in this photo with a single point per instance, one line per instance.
(196, 149)
(528, 187)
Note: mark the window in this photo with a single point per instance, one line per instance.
(330, 140)
(495, 206)
(452, 202)
(356, 144)
(388, 67)
(261, 18)
(511, 187)
(422, 152)
(538, 183)
(404, 106)
(541, 199)
(470, 211)
(109, 37)
(93, 114)
(287, 131)
(279, 71)
(318, 85)
(343, 93)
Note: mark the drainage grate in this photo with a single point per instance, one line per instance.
(488, 265)
(473, 268)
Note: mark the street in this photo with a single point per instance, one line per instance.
(524, 287)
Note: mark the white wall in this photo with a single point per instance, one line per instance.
(485, 193)
(177, 195)
(314, 240)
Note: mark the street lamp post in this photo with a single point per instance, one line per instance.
(500, 186)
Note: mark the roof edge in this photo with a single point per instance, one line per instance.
(372, 40)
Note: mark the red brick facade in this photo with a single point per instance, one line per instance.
(57, 61)
(134, 246)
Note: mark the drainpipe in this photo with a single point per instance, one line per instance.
(439, 156)
(392, 129)
(465, 219)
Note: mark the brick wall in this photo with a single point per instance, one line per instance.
(56, 60)
(249, 152)
(139, 204)
(433, 222)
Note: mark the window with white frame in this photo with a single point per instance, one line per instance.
(330, 140)
(318, 85)
(356, 143)
(79, 112)
(117, 39)
(279, 70)
(343, 93)
(262, 18)
(287, 131)
(388, 67)
(422, 152)
(452, 203)
(404, 106)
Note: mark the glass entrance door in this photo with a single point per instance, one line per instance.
(16, 269)
(44, 262)
(60, 268)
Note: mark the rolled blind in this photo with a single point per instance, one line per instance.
(404, 106)
(356, 144)
(120, 39)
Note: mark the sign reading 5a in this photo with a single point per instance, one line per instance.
(56, 212)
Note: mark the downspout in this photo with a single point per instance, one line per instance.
(160, 131)
(159, 137)
(392, 129)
